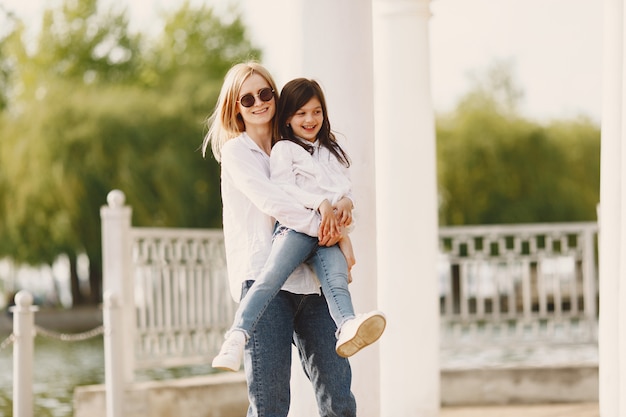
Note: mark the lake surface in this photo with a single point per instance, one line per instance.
(61, 366)
(58, 368)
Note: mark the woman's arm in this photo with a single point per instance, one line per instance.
(248, 175)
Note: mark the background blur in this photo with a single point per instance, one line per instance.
(97, 95)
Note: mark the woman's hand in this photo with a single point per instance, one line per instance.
(329, 233)
(327, 239)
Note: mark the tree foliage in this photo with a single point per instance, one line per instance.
(497, 167)
(89, 107)
(94, 108)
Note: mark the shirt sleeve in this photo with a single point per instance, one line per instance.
(249, 177)
(282, 160)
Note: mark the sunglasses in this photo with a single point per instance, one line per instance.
(265, 94)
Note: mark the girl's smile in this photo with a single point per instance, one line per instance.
(307, 121)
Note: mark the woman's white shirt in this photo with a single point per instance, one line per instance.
(251, 205)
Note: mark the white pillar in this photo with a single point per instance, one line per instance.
(612, 334)
(116, 273)
(407, 220)
(114, 348)
(23, 354)
(331, 41)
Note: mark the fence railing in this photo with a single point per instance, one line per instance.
(23, 340)
(167, 296)
(529, 281)
(182, 301)
(499, 282)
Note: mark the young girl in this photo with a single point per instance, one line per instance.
(308, 163)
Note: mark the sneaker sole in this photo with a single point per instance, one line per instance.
(369, 331)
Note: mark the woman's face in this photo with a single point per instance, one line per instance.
(261, 112)
(307, 121)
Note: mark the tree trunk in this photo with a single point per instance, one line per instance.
(95, 282)
(77, 295)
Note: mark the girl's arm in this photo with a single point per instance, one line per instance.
(284, 155)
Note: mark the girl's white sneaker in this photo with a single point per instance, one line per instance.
(361, 331)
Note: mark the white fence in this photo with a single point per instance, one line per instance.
(182, 301)
(519, 282)
(167, 301)
(498, 283)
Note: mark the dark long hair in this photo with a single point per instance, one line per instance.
(294, 95)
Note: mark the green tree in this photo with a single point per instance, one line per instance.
(497, 167)
(85, 124)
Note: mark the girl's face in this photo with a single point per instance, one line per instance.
(307, 121)
(261, 112)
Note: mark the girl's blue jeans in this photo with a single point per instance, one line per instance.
(303, 320)
(289, 250)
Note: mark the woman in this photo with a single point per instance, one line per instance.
(240, 135)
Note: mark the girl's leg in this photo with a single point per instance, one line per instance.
(289, 249)
(331, 268)
(354, 332)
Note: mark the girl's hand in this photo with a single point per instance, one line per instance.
(343, 211)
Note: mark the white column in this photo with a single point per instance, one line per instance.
(331, 41)
(612, 334)
(117, 274)
(407, 220)
(23, 354)
(114, 348)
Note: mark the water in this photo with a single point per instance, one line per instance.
(61, 366)
(519, 355)
(58, 368)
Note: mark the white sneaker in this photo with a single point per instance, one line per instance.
(229, 358)
(361, 331)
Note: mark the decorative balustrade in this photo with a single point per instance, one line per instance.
(167, 295)
(516, 282)
(498, 283)
(182, 300)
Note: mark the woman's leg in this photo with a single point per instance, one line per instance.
(267, 358)
(329, 373)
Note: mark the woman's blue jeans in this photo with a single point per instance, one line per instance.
(303, 320)
(290, 249)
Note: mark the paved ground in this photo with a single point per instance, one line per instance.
(551, 410)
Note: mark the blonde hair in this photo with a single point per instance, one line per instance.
(226, 122)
